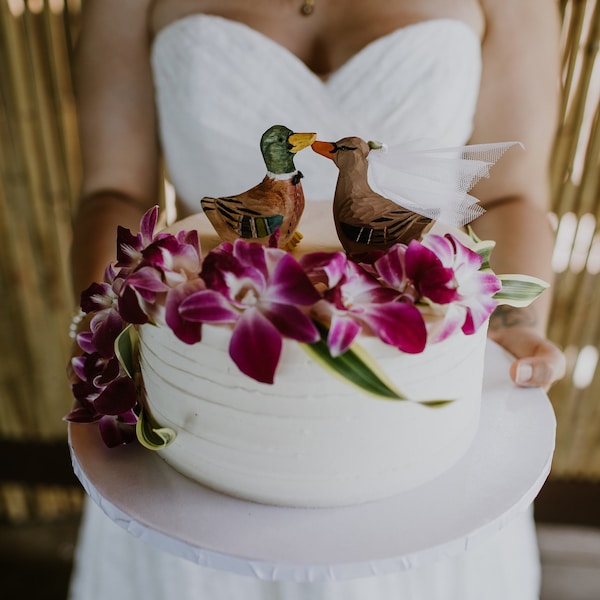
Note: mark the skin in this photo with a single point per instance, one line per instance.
(518, 101)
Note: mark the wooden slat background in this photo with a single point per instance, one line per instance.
(575, 321)
(39, 176)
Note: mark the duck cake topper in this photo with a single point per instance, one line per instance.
(269, 212)
(388, 195)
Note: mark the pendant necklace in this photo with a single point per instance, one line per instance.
(308, 8)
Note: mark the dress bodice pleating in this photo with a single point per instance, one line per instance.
(220, 85)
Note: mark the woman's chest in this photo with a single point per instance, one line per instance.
(336, 30)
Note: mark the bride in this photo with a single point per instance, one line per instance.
(196, 82)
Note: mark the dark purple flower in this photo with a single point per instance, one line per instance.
(355, 301)
(473, 302)
(259, 290)
(117, 430)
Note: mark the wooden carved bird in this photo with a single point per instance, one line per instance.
(365, 221)
(272, 209)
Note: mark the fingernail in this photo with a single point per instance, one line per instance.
(524, 373)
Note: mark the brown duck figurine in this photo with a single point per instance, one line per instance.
(272, 209)
(365, 221)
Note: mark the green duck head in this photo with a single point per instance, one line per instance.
(278, 146)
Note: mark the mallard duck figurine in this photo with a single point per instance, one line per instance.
(391, 194)
(270, 211)
(365, 221)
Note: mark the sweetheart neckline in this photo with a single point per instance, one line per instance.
(173, 26)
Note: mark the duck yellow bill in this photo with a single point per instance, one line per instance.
(299, 141)
(326, 149)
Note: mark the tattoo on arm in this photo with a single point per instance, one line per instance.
(510, 316)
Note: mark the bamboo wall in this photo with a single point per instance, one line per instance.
(575, 322)
(39, 174)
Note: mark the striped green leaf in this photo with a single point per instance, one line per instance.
(150, 434)
(519, 290)
(126, 346)
(357, 367)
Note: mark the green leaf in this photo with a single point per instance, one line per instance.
(150, 434)
(357, 367)
(483, 247)
(126, 346)
(519, 290)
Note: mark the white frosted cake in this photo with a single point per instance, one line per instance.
(310, 438)
(312, 377)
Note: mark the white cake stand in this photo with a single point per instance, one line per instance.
(499, 476)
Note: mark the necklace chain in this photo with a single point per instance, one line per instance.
(308, 7)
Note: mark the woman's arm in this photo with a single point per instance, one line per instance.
(115, 104)
(518, 101)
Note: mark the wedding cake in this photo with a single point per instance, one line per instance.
(293, 371)
(310, 438)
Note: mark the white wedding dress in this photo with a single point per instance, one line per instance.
(219, 85)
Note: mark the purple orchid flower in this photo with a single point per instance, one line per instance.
(259, 290)
(472, 302)
(105, 395)
(167, 261)
(107, 322)
(355, 301)
(130, 247)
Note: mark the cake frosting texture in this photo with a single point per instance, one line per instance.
(311, 439)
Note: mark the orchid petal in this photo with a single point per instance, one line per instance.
(375, 295)
(252, 255)
(291, 322)
(118, 397)
(327, 268)
(187, 331)
(207, 306)
(442, 247)
(477, 314)
(130, 307)
(255, 346)
(222, 271)
(431, 278)
(480, 283)
(117, 430)
(465, 256)
(147, 279)
(148, 223)
(399, 324)
(85, 340)
(83, 413)
(288, 283)
(342, 332)
(391, 268)
(105, 328)
(107, 371)
(96, 297)
(453, 320)
(128, 248)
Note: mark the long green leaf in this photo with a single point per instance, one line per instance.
(483, 247)
(356, 367)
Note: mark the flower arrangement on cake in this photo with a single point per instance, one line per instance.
(409, 294)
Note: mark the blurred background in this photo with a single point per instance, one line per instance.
(40, 500)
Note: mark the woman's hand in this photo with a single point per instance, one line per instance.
(539, 362)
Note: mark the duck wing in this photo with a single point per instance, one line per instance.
(379, 223)
(254, 214)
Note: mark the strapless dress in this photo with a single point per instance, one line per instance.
(219, 84)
